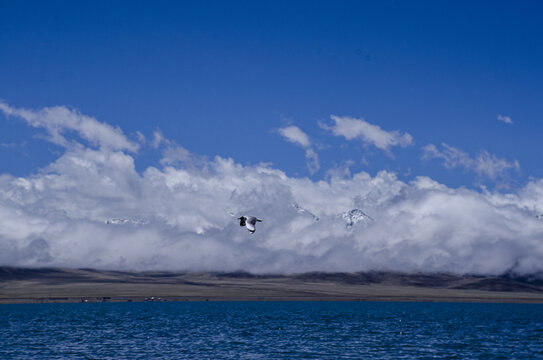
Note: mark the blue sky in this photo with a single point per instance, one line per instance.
(379, 135)
(219, 78)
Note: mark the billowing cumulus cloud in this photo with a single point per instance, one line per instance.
(91, 208)
(484, 164)
(296, 136)
(352, 128)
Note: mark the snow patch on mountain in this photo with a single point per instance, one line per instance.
(355, 217)
(301, 210)
(120, 221)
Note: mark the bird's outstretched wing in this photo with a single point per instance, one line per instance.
(251, 227)
(250, 223)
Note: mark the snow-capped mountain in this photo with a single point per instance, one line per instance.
(301, 210)
(354, 217)
(119, 221)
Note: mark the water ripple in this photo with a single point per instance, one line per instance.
(271, 330)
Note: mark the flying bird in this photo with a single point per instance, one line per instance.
(249, 222)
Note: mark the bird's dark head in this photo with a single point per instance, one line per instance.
(242, 220)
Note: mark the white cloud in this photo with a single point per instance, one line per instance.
(59, 120)
(158, 139)
(491, 166)
(452, 157)
(312, 161)
(182, 221)
(296, 136)
(505, 119)
(8, 146)
(141, 137)
(484, 164)
(174, 155)
(352, 128)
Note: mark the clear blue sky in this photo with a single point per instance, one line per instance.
(220, 78)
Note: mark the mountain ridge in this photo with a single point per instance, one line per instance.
(72, 285)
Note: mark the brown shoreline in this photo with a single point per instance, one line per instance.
(519, 300)
(84, 285)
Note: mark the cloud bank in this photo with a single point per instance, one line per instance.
(91, 208)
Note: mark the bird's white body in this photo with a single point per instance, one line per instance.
(249, 222)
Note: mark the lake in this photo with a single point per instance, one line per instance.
(271, 330)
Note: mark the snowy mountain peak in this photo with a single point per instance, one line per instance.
(119, 221)
(301, 210)
(355, 216)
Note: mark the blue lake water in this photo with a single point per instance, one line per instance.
(271, 330)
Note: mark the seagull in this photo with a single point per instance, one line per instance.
(249, 222)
